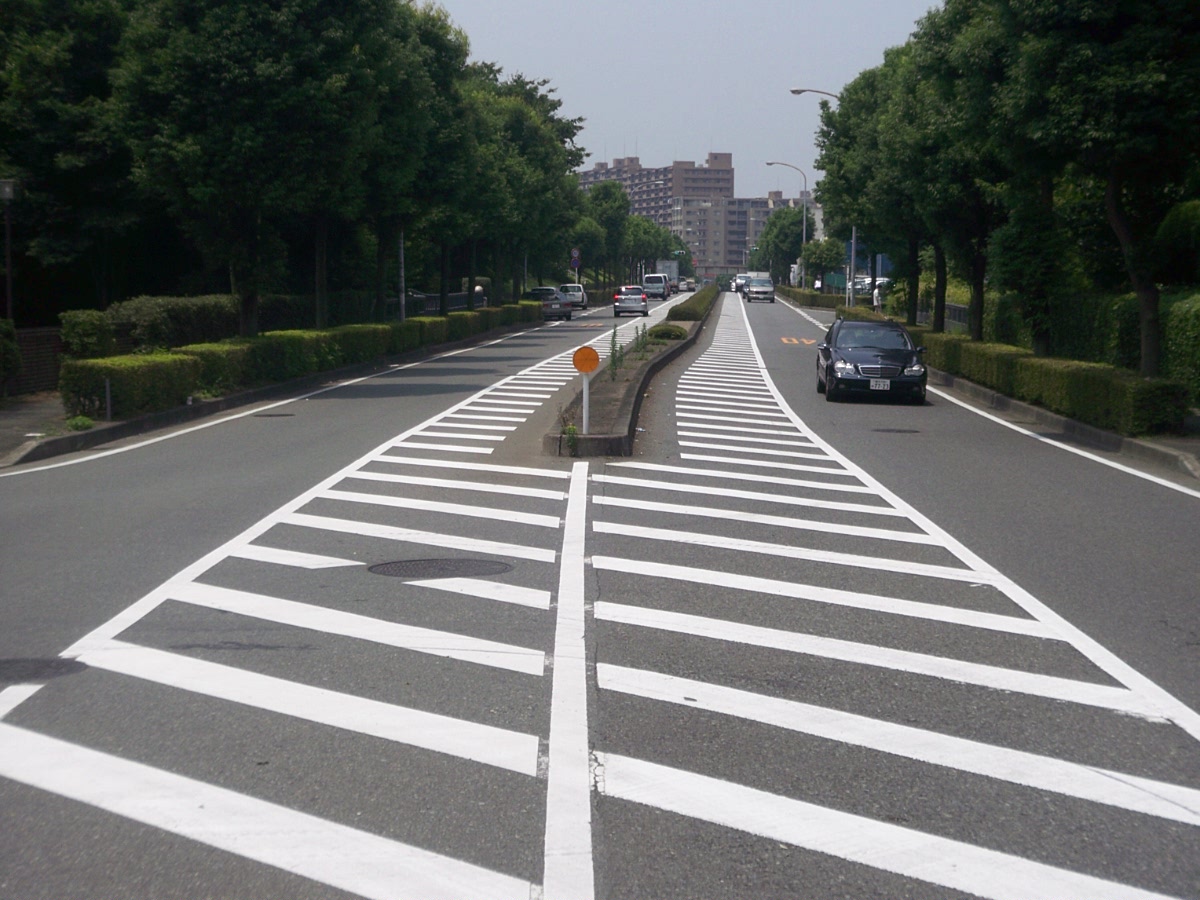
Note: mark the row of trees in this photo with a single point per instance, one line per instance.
(183, 146)
(1041, 147)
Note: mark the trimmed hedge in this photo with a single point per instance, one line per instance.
(434, 329)
(281, 355)
(140, 383)
(809, 298)
(161, 322)
(361, 343)
(463, 324)
(1181, 345)
(224, 366)
(87, 334)
(695, 307)
(405, 336)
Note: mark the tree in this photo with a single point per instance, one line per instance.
(781, 242)
(608, 204)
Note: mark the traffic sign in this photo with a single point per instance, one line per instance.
(586, 359)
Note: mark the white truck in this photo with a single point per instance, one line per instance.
(670, 268)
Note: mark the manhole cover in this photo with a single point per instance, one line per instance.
(440, 568)
(20, 671)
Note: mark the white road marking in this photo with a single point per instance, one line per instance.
(453, 509)
(421, 445)
(471, 741)
(345, 858)
(891, 848)
(489, 590)
(649, 484)
(569, 871)
(854, 599)
(460, 647)
(1120, 699)
(481, 487)
(292, 558)
(412, 536)
(1118, 789)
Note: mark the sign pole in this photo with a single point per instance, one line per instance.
(586, 360)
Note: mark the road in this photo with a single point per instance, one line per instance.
(371, 643)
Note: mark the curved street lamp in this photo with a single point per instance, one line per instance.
(815, 91)
(803, 222)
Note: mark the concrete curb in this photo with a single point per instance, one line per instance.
(1145, 450)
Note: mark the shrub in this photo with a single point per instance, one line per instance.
(695, 307)
(175, 321)
(462, 324)
(87, 334)
(491, 317)
(139, 384)
(405, 336)
(361, 343)
(10, 352)
(531, 310)
(992, 365)
(666, 331)
(1181, 357)
(225, 366)
(280, 355)
(510, 313)
(433, 329)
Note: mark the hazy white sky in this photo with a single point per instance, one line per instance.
(670, 80)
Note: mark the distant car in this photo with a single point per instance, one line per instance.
(555, 304)
(686, 284)
(870, 358)
(578, 295)
(631, 298)
(759, 289)
(739, 281)
(657, 286)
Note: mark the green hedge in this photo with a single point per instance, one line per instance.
(224, 366)
(280, 355)
(161, 322)
(463, 324)
(530, 310)
(405, 336)
(87, 334)
(812, 299)
(695, 307)
(1181, 356)
(1101, 395)
(434, 329)
(140, 383)
(361, 343)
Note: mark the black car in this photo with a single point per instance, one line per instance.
(870, 359)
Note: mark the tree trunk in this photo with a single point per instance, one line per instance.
(444, 289)
(939, 288)
(321, 272)
(471, 271)
(1143, 283)
(914, 278)
(978, 274)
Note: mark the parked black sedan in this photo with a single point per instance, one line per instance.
(870, 358)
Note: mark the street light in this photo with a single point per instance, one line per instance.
(815, 91)
(803, 224)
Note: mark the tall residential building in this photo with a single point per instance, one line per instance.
(697, 203)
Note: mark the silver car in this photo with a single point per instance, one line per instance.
(631, 298)
(555, 304)
(759, 289)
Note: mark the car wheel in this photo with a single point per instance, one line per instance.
(772, 299)
(820, 385)
(568, 317)
(645, 312)
(830, 392)
(616, 315)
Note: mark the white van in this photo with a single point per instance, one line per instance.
(657, 286)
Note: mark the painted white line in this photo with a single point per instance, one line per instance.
(446, 644)
(361, 863)
(431, 432)
(729, 409)
(453, 509)
(484, 744)
(709, 491)
(764, 464)
(703, 420)
(471, 466)
(1052, 687)
(829, 557)
(293, 558)
(759, 451)
(890, 848)
(428, 538)
(853, 599)
(1131, 792)
(457, 416)
(569, 871)
(481, 487)
(453, 422)
(421, 445)
(726, 434)
(734, 515)
(489, 590)
(14, 695)
(1145, 476)
(743, 476)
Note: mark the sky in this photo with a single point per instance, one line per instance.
(668, 80)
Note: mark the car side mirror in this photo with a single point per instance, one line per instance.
(822, 346)
(920, 349)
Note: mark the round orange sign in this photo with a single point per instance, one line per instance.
(586, 359)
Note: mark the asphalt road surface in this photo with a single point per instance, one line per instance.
(372, 643)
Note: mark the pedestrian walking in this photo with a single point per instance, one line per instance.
(877, 300)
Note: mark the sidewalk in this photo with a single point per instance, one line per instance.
(33, 426)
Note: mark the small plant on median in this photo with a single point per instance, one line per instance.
(79, 423)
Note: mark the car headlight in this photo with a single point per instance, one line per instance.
(844, 367)
(915, 369)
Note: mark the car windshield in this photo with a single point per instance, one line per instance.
(760, 282)
(542, 292)
(632, 291)
(874, 338)
(571, 288)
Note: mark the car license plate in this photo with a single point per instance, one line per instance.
(881, 384)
